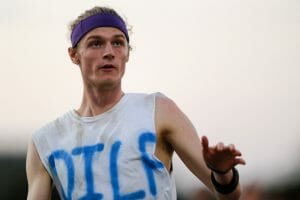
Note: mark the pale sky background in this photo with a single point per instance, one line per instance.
(232, 66)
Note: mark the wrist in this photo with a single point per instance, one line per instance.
(223, 179)
(229, 187)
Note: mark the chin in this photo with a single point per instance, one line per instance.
(107, 84)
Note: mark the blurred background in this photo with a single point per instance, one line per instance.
(232, 66)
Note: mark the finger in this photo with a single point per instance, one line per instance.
(231, 147)
(239, 161)
(220, 146)
(205, 143)
(237, 153)
(233, 150)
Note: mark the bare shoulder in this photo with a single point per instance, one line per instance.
(169, 116)
(165, 102)
(167, 112)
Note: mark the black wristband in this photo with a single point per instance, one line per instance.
(229, 188)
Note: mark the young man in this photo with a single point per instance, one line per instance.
(116, 145)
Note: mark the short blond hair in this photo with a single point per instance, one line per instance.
(93, 11)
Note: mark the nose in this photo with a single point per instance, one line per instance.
(108, 52)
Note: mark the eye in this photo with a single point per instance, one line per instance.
(118, 43)
(95, 43)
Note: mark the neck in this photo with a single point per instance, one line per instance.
(96, 101)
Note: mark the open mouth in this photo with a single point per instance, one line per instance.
(107, 67)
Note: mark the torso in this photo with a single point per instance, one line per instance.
(122, 142)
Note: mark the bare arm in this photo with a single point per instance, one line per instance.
(39, 181)
(177, 131)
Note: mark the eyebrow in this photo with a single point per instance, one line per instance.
(101, 37)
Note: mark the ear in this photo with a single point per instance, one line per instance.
(73, 55)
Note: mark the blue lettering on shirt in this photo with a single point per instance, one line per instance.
(149, 164)
(114, 177)
(63, 155)
(88, 152)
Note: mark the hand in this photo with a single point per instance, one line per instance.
(221, 157)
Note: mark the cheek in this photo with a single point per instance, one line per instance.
(124, 55)
(86, 61)
(89, 54)
(89, 59)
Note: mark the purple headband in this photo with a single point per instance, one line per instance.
(94, 21)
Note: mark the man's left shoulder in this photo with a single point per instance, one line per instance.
(165, 103)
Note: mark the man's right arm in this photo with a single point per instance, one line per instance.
(39, 181)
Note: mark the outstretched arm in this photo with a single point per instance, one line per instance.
(178, 132)
(39, 181)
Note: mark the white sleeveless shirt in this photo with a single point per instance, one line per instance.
(109, 156)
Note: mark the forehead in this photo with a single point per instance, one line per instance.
(105, 32)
